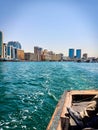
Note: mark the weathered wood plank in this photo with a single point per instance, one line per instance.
(55, 123)
(61, 122)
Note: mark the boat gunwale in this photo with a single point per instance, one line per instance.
(67, 102)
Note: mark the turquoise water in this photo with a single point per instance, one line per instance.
(29, 91)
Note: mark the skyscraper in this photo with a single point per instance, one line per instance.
(78, 53)
(1, 43)
(71, 53)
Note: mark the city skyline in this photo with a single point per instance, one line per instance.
(12, 51)
(54, 25)
(72, 52)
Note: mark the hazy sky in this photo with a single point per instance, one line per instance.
(56, 25)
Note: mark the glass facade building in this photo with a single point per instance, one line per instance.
(14, 44)
(71, 53)
(12, 48)
(78, 53)
(8, 50)
(1, 43)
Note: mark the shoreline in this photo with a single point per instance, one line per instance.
(48, 61)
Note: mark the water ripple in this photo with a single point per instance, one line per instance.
(29, 91)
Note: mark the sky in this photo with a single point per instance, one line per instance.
(55, 25)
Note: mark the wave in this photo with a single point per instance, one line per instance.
(52, 96)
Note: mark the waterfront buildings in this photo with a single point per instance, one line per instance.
(71, 53)
(1, 43)
(78, 53)
(12, 51)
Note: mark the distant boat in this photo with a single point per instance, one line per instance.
(78, 100)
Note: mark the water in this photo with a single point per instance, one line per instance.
(29, 91)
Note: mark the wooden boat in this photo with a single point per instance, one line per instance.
(78, 100)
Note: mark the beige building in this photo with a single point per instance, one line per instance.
(20, 54)
(59, 57)
(50, 56)
(4, 50)
(46, 56)
(53, 57)
(56, 57)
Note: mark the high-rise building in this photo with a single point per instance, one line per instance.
(1, 43)
(4, 51)
(78, 53)
(35, 50)
(38, 53)
(71, 53)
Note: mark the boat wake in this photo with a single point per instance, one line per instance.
(52, 96)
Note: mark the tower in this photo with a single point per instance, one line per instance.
(1, 43)
(71, 53)
(78, 53)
